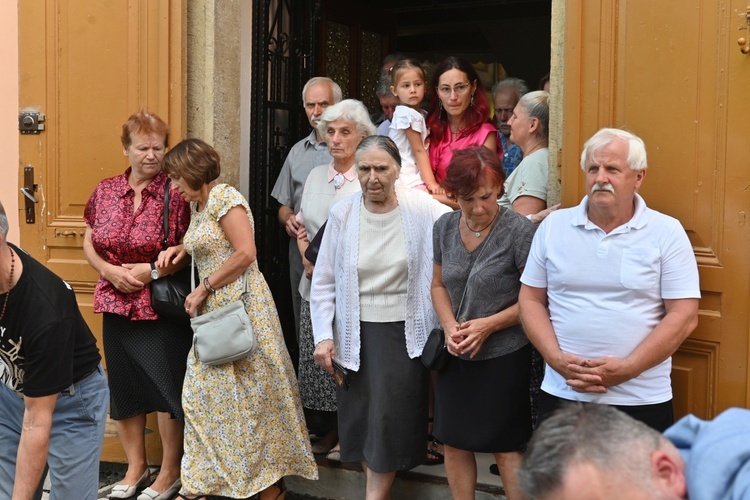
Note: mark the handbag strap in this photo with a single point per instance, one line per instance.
(166, 214)
(481, 250)
(192, 276)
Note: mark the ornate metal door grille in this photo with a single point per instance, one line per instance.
(283, 60)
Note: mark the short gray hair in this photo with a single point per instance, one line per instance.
(381, 143)
(384, 86)
(4, 225)
(335, 89)
(511, 83)
(587, 433)
(636, 147)
(351, 110)
(536, 105)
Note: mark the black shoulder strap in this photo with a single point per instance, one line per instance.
(166, 214)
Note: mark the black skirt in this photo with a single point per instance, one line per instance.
(483, 406)
(146, 363)
(383, 415)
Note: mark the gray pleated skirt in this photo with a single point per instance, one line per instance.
(383, 415)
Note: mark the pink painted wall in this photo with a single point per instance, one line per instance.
(9, 165)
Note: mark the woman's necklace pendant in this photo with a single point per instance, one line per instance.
(478, 233)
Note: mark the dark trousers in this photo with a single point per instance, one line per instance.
(658, 416)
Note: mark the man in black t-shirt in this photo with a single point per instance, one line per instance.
(53, 393)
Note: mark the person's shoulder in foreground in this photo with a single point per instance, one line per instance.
(716, 452)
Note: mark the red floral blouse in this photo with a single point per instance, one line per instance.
(120, 236)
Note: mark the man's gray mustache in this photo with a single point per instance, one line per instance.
(603, 187)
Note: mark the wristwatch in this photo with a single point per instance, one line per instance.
(154, 272)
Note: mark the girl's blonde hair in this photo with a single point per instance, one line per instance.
(404, 65)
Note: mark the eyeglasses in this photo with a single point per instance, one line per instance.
(459, 89)
(507, 111)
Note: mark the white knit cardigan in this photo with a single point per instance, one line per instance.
(334, 297)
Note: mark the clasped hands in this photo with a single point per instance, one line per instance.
(594, 375)
(467, 337)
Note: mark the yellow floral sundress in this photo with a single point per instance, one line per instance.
(244, 426)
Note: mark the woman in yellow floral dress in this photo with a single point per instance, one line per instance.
(244, 426)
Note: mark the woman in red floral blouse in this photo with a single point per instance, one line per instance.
(146, 356)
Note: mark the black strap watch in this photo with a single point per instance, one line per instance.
(154, 272)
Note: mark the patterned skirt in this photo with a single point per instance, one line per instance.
(316, 386)
(145, 365)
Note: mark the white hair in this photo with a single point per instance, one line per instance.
(351, 110)
(536, 105)
(510, 83)
(636, 147)
(335, 89)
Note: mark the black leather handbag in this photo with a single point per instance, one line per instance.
(168, 296)
(435, 355)
(169, 292)
(313, 248)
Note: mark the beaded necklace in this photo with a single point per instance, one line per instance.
(10, 282)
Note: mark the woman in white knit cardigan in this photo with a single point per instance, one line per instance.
(372, 312)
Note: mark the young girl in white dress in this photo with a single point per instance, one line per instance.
(408, 128)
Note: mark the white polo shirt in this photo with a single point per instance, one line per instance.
(606, 291)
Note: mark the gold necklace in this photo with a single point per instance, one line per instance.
(10, 282)
(478, 233)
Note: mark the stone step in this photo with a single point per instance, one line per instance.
(347, 481)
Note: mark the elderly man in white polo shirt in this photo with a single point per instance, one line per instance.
(610, 290)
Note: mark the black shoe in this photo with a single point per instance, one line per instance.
(434, 457)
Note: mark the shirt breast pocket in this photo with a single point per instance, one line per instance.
(640, 268)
